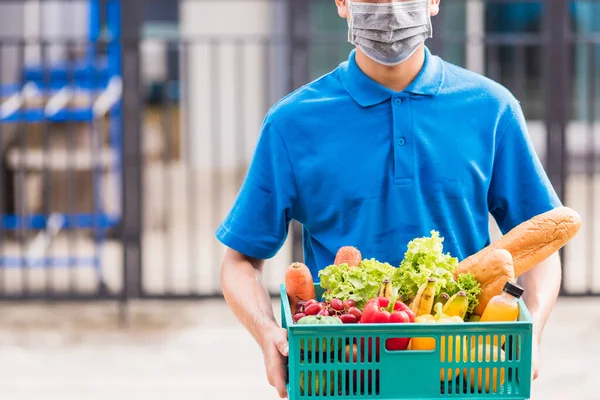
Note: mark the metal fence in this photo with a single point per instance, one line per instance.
(124, 144)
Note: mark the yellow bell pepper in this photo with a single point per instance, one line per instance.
(439, 317)
(418, 343)
(428, 343)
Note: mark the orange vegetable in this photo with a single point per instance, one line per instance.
(354, 353)
(299, 284)
(348, 255)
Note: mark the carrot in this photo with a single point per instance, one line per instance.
(348, 255)
(299, 284)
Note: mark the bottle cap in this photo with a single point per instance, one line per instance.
(513, 289)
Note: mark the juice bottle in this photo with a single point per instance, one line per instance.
(503, 307)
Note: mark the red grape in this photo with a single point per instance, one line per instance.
(324, 312)
(310, 302)
(355, 311)
(313, 309)
(337, 304)
(348, 319)
(300, 304)
(348, 304)
(298, 316)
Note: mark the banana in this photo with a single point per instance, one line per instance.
(417, 299)
(385, 290)
(423, 302)
(457, 305)
(441, 298)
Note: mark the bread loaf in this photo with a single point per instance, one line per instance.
(532, 241)
(492, 273)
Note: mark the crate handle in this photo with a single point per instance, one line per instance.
(425, 344)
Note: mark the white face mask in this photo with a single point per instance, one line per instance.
(389, 33)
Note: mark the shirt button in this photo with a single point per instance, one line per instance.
(398, 101)
(401, 142)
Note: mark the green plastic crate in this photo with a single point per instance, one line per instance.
(320, 368)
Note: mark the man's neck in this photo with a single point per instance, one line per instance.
(396, 78)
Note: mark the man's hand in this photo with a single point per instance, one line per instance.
(246, 295)
(275, 350)
(541, 285)
(535, 360)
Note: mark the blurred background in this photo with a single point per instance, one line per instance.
(126, 128)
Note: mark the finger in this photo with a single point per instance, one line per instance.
(277, 372)
(280, 381)
(283, 346)
(280, 374)
(277, 378)
(282, 391)
(534, 372)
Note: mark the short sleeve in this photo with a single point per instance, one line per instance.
(519, 188)
(258, 222)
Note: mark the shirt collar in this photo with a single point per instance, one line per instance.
(367, 92)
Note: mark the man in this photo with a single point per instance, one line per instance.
(391, 144)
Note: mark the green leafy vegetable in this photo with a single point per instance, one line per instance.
(355, 283)
(423, 259)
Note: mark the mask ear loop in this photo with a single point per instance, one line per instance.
(350, 22)
(429, 22)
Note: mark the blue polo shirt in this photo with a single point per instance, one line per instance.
(359, 164)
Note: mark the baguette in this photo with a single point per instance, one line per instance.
(492, 273)
(532, 241)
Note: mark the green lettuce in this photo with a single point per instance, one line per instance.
(423, 259)
(355, 283)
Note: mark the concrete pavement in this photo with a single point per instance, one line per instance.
(199, 351)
